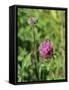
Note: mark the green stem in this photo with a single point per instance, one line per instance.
(35, 54)
(35, 48)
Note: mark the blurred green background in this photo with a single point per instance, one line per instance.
(50, 25)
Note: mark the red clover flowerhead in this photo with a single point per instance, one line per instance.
(46, 49)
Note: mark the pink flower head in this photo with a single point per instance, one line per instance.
(46, 49)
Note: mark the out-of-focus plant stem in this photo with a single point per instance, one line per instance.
(35, 61)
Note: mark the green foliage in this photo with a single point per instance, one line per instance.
(50, 25)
